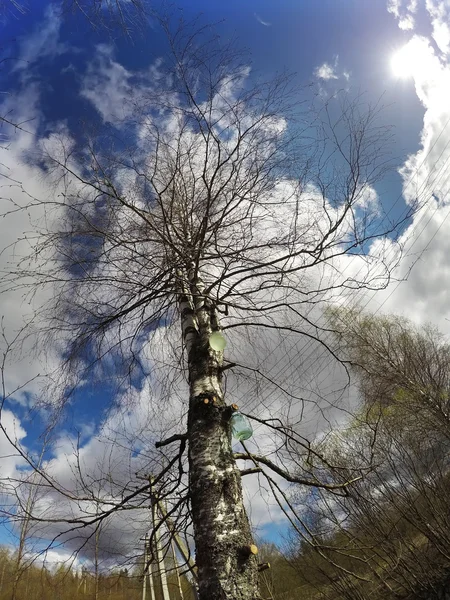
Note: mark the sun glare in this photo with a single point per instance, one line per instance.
(407, 61)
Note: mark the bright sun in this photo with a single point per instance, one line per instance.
(407, 60)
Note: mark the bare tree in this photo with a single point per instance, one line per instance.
(128, 15)
(389, 537)
(30, 489)
(216, 206)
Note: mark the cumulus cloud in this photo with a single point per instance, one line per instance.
(421, 292)
(329, 71)
(21, 365)
(10, 459)
(404, 12)
(439, 12)
(16, 307)
(326, 72)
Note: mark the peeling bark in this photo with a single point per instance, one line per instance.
(226, 571)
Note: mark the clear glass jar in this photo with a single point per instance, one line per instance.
(240, 427)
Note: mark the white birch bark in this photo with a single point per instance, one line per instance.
(222, 531)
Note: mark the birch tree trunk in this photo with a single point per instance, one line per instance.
(227, 569)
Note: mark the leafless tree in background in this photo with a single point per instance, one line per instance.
(127, 15)
(389, 537)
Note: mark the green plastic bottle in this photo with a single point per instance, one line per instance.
(240, 427)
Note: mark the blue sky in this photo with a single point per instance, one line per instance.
(358, 38)
(299, 37)
(61, 74)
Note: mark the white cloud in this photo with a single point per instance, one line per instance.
(404, 13)
(108, 86)
(53, 559)
(439, 12)
(15, 305)
(326, 72)
(101, 468)
(406, 23)
(116, 92)
(10, 459)
(22, 184)
(43, 42)
(423, 293)
(441, 34)
(329, 71)
(393, 7)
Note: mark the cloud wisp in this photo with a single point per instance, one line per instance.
(262, 21)
(43, 43)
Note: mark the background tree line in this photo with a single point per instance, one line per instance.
(390, 537)
(67, 580)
